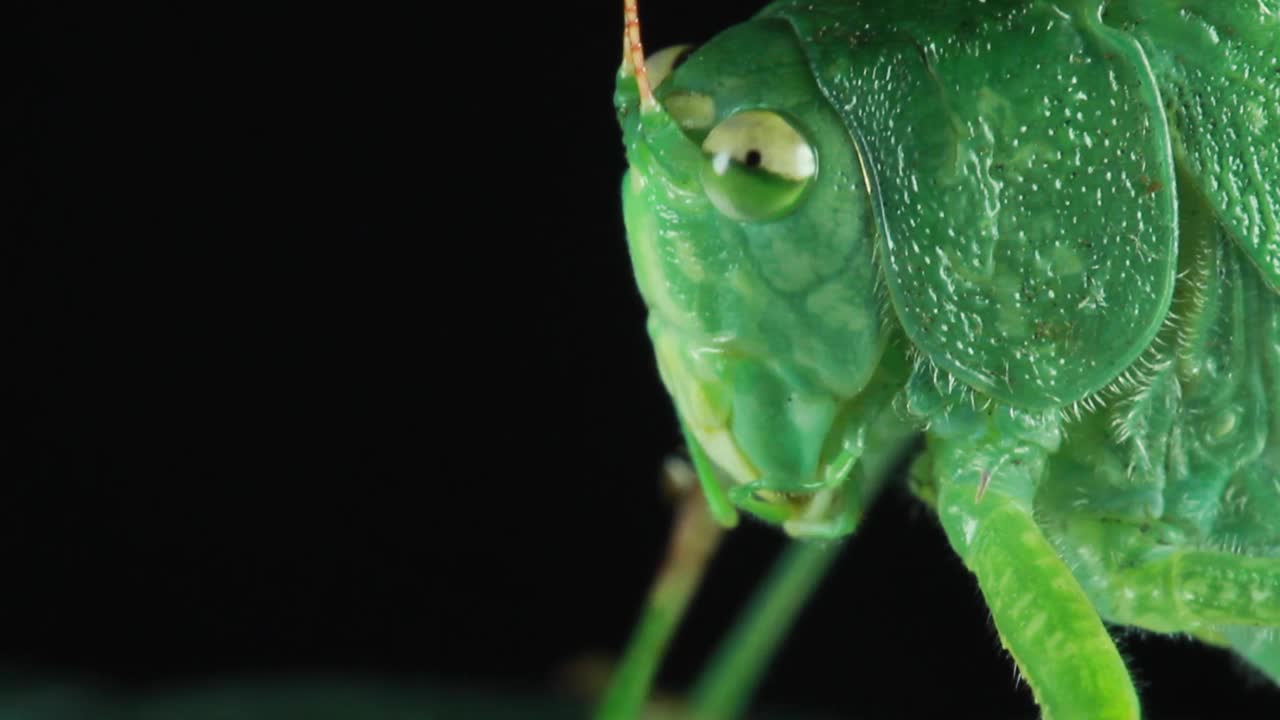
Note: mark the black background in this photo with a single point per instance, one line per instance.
(329, 360)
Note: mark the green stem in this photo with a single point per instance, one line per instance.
(694, 539)
(726, 686)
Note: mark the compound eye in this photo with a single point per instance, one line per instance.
(757, 166)
(660, 64)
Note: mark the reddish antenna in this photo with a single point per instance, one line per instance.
(633, 53)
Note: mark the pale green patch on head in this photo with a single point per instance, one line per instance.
(840, 308)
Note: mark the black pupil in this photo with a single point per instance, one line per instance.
(753, 158)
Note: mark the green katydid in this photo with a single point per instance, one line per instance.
(1046, 236)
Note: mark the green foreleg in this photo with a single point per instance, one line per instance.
(693, 541)
(725, 688)
(1043, 616)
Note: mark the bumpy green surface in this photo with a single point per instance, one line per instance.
(1046, 235)
(1218, 65)
(1027, 216)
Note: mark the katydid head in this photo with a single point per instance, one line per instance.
(751, 237)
